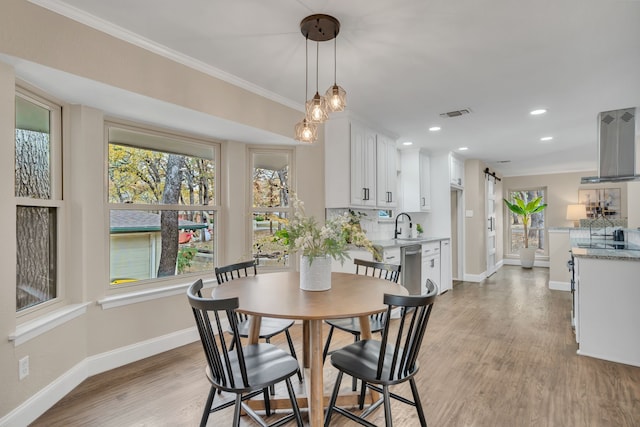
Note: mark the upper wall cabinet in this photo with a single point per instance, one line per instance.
(387, 172)
(415, 166)
(357, 161)
(456, 171)
(363, 166)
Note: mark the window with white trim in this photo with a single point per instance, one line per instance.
(536, 230)
(271, 177)
(38, 198)
(163, 204)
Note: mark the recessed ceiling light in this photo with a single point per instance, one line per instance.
(434, 128)
(463, 148)
(538, 112)
(407, 143)
(546, 138)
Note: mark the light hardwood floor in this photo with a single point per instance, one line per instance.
(497, 353)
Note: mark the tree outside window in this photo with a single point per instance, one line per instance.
(162, 205)
(38, 197)
(271, 171)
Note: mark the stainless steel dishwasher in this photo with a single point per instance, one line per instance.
(411, 261)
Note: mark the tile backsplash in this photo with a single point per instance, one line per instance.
(379, 228)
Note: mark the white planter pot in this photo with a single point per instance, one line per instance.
(527, 257)
(315, 276)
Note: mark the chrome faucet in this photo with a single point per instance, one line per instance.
(395, 231)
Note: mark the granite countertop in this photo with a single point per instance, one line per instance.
(397, 243)
(605, 249)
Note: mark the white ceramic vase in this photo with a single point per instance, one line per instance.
(527, 257)
(315, 275)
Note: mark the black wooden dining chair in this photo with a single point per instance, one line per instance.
(269, 327)
(246, 371)
(380, 270)
(390, 361)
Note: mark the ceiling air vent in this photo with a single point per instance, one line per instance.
(456, 113)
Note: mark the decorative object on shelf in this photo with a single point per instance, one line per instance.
(524, 209)
(315, 241)
(601, 202)
(575, 213)
(319, 28)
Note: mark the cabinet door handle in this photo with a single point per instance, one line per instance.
(423, 201)
(367, 194)
(433, 263)
(489, 219)
(389, 257)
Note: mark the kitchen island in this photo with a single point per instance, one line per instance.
(607, 314)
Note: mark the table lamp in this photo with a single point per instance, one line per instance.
(575, 213)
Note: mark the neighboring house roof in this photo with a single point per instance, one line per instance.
(125, 221)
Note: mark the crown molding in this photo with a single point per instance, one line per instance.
(123, 34)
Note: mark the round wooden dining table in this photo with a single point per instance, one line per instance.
(279, 295)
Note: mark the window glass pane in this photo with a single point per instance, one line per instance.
(270, 180)
(33, 149)
(139, 175)
(535, 230)
(267, 250)
(36, 240)
(150, 244)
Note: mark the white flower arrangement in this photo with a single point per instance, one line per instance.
(305, 235)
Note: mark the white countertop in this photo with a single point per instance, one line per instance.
(397, 243)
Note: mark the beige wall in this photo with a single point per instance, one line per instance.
(562, 190)
(62, 44)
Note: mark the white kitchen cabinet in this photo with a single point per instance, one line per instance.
(446, 281)
(351, 166)
(391, 255)
(415, 180)
(348, 266)
(430, 265)
(456, 171)
(606, 313)
(386, 172)
(363, 166)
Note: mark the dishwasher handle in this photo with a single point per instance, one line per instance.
(410, 252)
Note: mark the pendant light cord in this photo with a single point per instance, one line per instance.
(317, 61)
(335, 60)
(306, 69)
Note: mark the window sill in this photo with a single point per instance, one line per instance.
(39, 326)
(145, 295)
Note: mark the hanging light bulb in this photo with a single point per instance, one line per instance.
(336, 96)
(317, 110)
(305, 131)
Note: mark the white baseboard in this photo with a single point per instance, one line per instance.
(48, 396)
(475, 277)
(559, 286)
(121, 356)
(516, 261)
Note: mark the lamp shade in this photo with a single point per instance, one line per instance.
(576, 212)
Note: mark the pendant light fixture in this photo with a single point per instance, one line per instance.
(306, 131)
(317, 111)
(319, 28)
(336, 96)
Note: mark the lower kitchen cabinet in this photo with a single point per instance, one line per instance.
(348, 266)
(606, 312)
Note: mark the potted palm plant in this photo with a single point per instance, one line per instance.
(524, 209)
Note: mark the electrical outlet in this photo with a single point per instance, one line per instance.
(23, 367)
